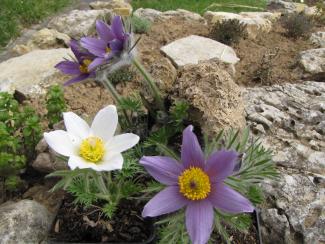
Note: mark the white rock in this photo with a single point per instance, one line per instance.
(313, 60)
(192, 49)
(255, 23)
(147, 13)
(286, 6)
(78, 23)
(110, 4)
(311, 11)
(32, 72)
(318, 38)
(264, 15)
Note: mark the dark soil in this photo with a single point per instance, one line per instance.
(75, 223)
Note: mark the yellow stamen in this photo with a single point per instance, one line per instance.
(92, 149)
(108, 50)
(194, 184)
(84, 66)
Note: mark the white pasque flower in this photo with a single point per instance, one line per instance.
(93, 147)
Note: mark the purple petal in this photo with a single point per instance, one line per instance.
(117, 27)
(68, 67)
(221, 164)
(164, 169)
(95, 46)
(104, 31)
(116, 45)
(167, 201)
(226, 199)
(191, 154)
(96, 62)
(75, 48)
(77, 79)
(199, 221)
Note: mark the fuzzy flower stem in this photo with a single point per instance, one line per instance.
(109, 86)
(150, 82)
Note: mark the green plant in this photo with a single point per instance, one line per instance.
(140, 25)
(297, 25)
(55, 104)
(20, 131)
(229, 32)
(122, 75)
(320, 16)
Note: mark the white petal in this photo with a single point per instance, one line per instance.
(105, 123)
(75, 125)
(61, 142)
(78, 162)
(110, 163)
(121, 143)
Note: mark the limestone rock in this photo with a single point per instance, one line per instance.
(192, 49)
(44, 39)
(291, 115)
(152, 14)
(286, 6)
(112, 5)
(313, 60)
(214, 97)
(255, 22)
(311, 11)
(78, 23)
(318, 38)
(24, 222)
(32, 72)
(302, 204)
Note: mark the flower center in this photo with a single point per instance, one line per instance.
(92, 149)
(84, 66)
(108, 50)
(194, 184)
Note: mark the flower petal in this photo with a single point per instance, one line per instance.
(61, 142)
(166, 201)
(117, 27)
(104, 31)
(226, 199)
(221, 164)
(68, 67)
(116, 45)
(76, 126)
(164, 169)
(96, 62)
(191, 153)
(77, 79)
(75, 48)
(110, 163)
(105, 123)
(199, 221)
(94, 45)
(121, 143)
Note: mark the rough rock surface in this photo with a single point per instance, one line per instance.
(44, 39)
(318, 38)
(32, 72)
(78, 23)
(111, 4)
(215, 98)
(192, 49)
(152, 14)
(286, 6)
(255, 22)
(24, 222)
(313, 60)
(292, 119)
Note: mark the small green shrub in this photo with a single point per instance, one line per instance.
(55, 104)
(297, 25)
(125, 74)
(20, 131)
(320, 16)
(229, 32)
(140, 25)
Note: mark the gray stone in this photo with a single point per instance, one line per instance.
(32, 72)
(79, 23)
(318, 38)
(24, 222)
(286, 6)
(313, 60)
(41, 146)
(110, 4)
(192, 49)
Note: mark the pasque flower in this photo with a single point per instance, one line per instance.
(79, 67)
(196, 184)
(93, 147)
(111, 43)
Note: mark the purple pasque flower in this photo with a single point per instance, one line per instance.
(78, 67)
(111, 42)
(196, 184)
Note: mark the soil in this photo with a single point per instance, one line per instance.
(78, 224)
